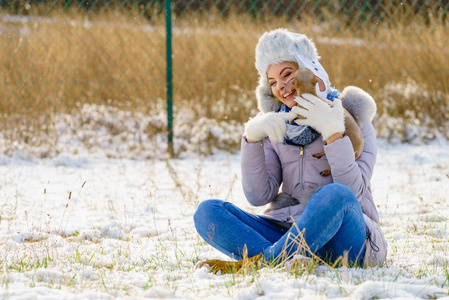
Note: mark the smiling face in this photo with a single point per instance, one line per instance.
(278, 77)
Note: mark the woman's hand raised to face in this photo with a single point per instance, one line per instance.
(319, 115)
(272, 125)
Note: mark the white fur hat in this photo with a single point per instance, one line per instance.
(278, 46)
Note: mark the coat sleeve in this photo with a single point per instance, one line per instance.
(355, 174)
(261, 172)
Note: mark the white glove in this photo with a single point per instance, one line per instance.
(319, 115)
(272, 124)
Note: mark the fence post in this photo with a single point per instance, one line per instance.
(169, 77)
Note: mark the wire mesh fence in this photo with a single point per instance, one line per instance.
(59, 56)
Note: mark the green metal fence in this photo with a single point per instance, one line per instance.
(59, 55)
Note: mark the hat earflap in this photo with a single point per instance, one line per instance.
(266, 102)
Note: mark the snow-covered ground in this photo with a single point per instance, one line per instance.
(87, 226)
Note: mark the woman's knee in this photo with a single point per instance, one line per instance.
(205, 211)
(338, 189)
(335, 193)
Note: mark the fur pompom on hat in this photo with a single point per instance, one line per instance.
(278, 46)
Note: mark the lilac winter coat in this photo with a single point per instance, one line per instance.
(267, 166)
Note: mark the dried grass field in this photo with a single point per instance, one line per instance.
(56, 64)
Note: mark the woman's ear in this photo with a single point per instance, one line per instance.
(321, 84)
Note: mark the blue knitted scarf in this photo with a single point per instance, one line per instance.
(302, 135)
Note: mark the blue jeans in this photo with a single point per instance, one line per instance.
(331, 225)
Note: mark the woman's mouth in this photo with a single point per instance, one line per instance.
(287, 95)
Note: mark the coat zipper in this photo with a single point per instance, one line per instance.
(301, 166)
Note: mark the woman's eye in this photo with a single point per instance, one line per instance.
(272, 83)
(287, 74)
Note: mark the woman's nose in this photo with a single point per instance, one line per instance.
(281, 85)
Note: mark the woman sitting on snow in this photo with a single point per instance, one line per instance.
(332, 217)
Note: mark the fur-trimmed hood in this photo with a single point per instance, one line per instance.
(278, 46)
(359, 104)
